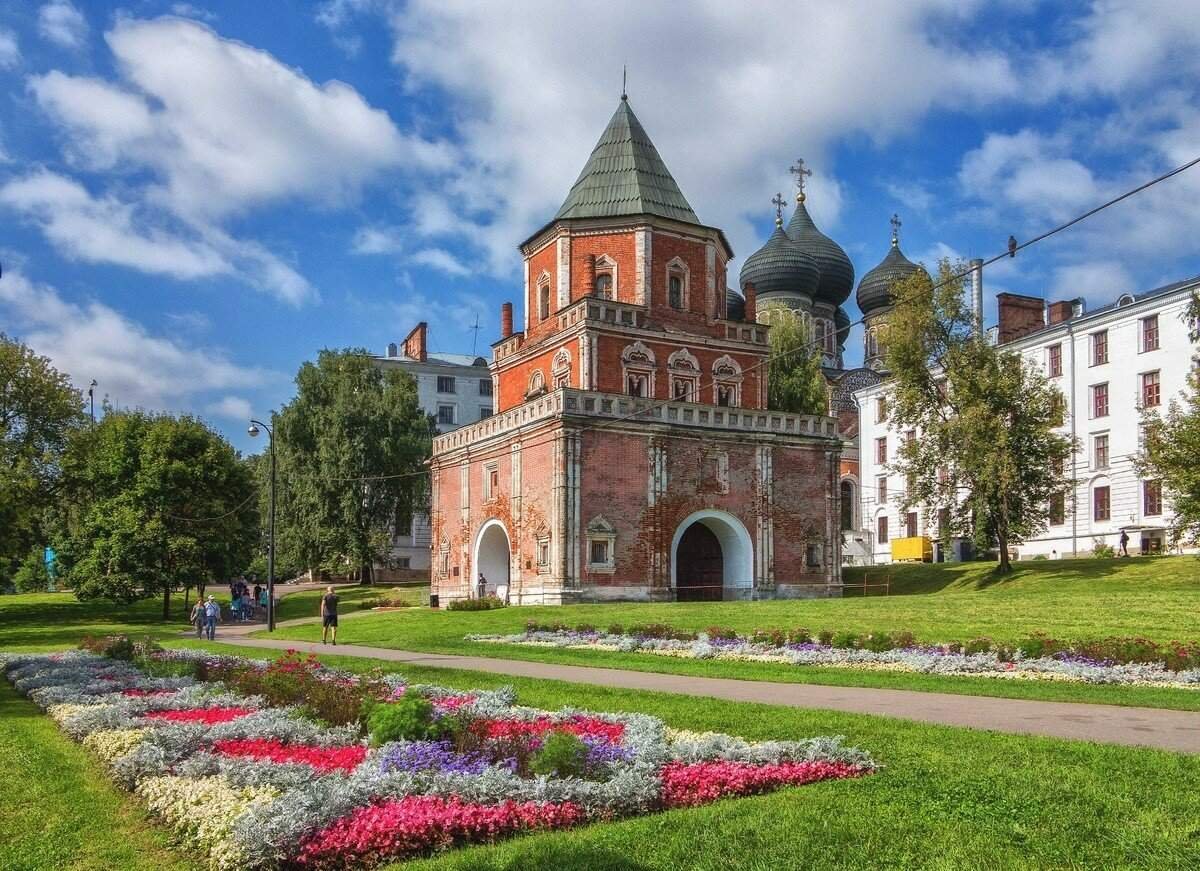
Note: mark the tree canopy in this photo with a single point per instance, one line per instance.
(794, 380)
(351, 451)
(152, 503)
(38, 410)
(1171, 447)
(985, 458)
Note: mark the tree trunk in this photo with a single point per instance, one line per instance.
(367, 574)
(166, 601)
(187, 595)
(1002, 537)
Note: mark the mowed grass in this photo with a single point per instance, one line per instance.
(51, 621)
(946, 798)
(60, 811)
(1074, 599)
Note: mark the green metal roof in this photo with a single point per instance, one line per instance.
(626, 176)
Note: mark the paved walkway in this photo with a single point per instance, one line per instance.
(1109, 724)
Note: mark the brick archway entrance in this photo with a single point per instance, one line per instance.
(699, 566)
(492, 557)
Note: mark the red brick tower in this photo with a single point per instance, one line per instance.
(631, 455)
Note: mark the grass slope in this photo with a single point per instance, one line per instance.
(1156, 598)
(59, 809)
(947, 798)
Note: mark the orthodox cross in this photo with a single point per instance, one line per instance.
(779, 202)
(895, 229)
(474, 339)
(797, 169)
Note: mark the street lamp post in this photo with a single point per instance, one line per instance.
(253, 430)
(92, 399)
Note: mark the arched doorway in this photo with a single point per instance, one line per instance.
(711, 558)
(699, 566)
(492, 557)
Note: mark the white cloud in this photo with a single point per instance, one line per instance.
(10, 49)
(378, 240)
(107, 230)
(232, 407)
(1029, 170)
(533, 88)
(62, 23)
(133, 366)
(441, 260)
(1099, 282)
(189, 10)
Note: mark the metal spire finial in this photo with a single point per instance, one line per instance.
(797, 169)
(895, 230)
(624, 94)
(779, 202)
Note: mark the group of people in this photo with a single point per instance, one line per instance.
(244, 605)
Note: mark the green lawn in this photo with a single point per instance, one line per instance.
(1074, 599)
(59, 809)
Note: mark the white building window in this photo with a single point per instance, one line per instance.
(446, 414)
(637, 370)
(684, 370)
(445, 384)
(491, 481)
(727, 382)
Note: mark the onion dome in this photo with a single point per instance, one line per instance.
(735, 305)
(841, 325)
(780, 267)
(875, 289)
(837, 272)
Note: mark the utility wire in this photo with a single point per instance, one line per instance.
(815, 345)
(229, 513)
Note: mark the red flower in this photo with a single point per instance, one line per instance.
(323, 759)
(699, 783)
(584, 727)
(207, 716)
(380, 832)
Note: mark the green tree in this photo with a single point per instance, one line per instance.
(794, 380)
(986, 455)
(351, 451)
(157, 503)
(31, 575)
(38, 410)
(1171, 447)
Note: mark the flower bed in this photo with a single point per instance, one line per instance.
(260, 781)
(1110, 661)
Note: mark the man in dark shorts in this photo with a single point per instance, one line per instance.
(329, 615)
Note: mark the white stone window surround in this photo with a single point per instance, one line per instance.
(600, 530)
(726, 373)
(537, 384)
(542, 300)
(605, 265)
(560, 368)
(638, 359)
(678, 267)
(490, 470)
(683, 367)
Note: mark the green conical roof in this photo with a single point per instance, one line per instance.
(625, 176)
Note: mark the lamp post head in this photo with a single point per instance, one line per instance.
(253, 430)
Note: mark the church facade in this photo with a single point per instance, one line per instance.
(631, 454)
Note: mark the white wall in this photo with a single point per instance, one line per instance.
(1127, 361)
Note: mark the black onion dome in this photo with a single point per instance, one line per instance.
(735, 305)
(837, 272)
(841, 325)
(875, 289)
(780, 268)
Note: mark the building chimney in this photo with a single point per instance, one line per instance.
(392, 349)
(977, 294)
(506, 323)
(415, 347)
(1057, 312)
(1019, 316)
(751, 304)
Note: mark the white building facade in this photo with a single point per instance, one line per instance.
(1109, 364)
(455, 389)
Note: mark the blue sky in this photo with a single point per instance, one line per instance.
(195, 198)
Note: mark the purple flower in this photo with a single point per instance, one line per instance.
(437, 756)
(601, 752)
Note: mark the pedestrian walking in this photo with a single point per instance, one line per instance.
(212, 613)
(197, 617)
(1124, 543)
(329, 603)
(482, 585)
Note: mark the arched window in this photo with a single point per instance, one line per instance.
(727, 382)
(675, 291)
(637, 370)
(543, 296)
(604, 285)
(677, 284)
(684, 371)
(560, 369)
(847, 489)
(537, 384)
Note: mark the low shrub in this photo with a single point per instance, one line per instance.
(409, 719)
(561, 755)
(978, 645)
(799, 635)
(722, 633)
(845, 640)
(1101, 549)
(616, 629)
(586, 628)
(825, 636)
(877, 642)
(773, 637)
(114, 646)
(903, 638)
(487, 603)
(661, 630)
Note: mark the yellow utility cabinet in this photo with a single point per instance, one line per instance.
(916, 549)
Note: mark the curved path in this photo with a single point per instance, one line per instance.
(1109, 724)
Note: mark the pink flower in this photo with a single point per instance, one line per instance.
(323, 759)
(377, 833)
(207, 716)
(685, 785)
(583, 726)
